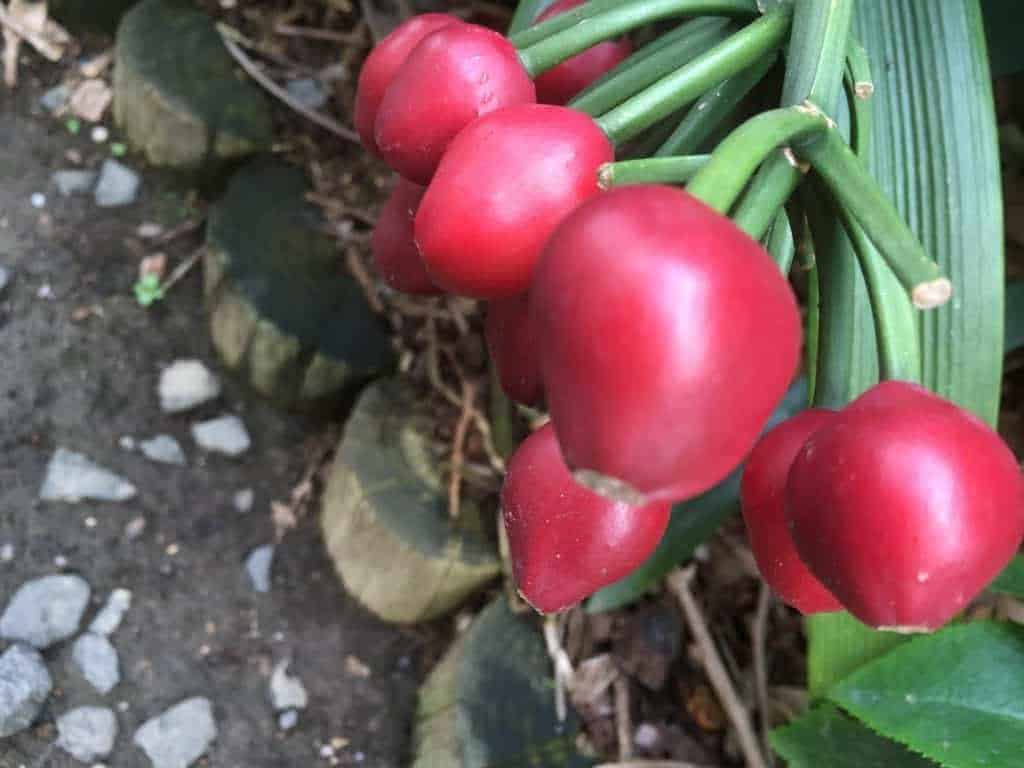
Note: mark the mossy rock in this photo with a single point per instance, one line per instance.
(284, 314)
(177, 94)
(490, 702)
(93, 15)
(385, 514)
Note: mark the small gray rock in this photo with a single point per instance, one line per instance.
(5, 278)
(257, 565)
(55, 99)
(109, 618)
(179, 736)
(163, 448)
(24, 685)
(244, 499)
(97, 660)
(87, 733)
(307, 91)
(286, 691)
(73, 182)
(45, 611)
(186, 384)
(72, 477)
(226, 435)
(6, 552)
(118, 185)
(288, 720)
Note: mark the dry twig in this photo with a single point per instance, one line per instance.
(183, 269)
(564, 672)
(458, 443)
(679, 585)
(758, 639)
(623, 721)
(312, 33)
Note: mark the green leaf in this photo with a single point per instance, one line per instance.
(1011, 580)
(956, 697)
(1013, 336)
(692, 523)
(837, 644)
(147, 290)
(826, 738)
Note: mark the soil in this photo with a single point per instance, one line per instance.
(196, 626)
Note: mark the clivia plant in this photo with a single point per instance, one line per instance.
(640, 237)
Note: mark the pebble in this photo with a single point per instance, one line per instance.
(72, 477)
(149, 230)
(257, 565)
(286, 691)
(186, 384)
(87, 733)
(647, 737)
(226, 434)
(97, 660)
(24, 685)
(127, 443)
(45, 292)
(118, 185)
(109, 618)
(99, 134)
(307, 91)
(73, 182)
(288, 720)
(135, 528)
(244, 499)
(179, 736)
(6, 552)
(46, 610)
(38, 200)
(5, 278)
(55, 99)
(164, 449)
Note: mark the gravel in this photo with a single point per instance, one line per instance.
(97, 660)
(24, 685)
(179, 736)
(87, 733)
(186, 384)
(226, 434)
(45, 611)
(164, 449)
(109, 618)
(286, 691)
(73, 182)
(258, 564)
(72, 477)
(118, 185)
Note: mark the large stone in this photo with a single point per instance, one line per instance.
(87, 733)
(24, 685)
(180, 736)
(283, 313)
(385, 514)
(72, 477)
(177, 96)
(45, 611)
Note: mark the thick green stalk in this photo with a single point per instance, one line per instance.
(526, 12)
(529, 33)
(771, 186)
(735, 160)
(552, 51)
(630, 78)
(712, 108)
(780, 243)
(650, 170)
(688, 83)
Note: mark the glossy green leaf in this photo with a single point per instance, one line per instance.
(826, 738)
(956, 697)
(1011, 580)
(1014, 334)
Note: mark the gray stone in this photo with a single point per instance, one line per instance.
(45, 611)
(109, 618)
(87, 733)
(24, 685)
(186, 384)
(73, 182)
(179, 736)
(163, 448)
(55, 99)
(97, 660)
(288, 720)
(257, 565)
(6, 552)
(226, 434)
(5, 278)
(118, 185)
(308, 92)
(286, 691)
(244, 499)
(72, 477)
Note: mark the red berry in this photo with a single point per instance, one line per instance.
(560, 84)
(905, 506)
(762, 495)
(566, 541)
(667, 337)
(513, 346)
(503, 186)
(394, 251)
(454, 76)
(383, 62)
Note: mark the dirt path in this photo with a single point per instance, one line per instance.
(196, 626)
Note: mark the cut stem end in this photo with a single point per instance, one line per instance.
(932, 294)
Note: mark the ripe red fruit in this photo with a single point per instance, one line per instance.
(383, 62)
(454, 76)
(762, 496)
(503, 186)
(513, 346)
(566, 541)
(560, 84)
(394, 251)
(667, 338)
(905, 506)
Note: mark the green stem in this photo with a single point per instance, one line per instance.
(650, 170)
(526, 12)
(859, 194)
(771, 187)
(712, 108)
(688, 83)
(736, 159)
(631, 77)
(780, 244)
(523, 38)
(552, 51)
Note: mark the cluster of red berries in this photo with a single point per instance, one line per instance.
(661, 338)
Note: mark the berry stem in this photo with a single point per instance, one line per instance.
(650, 170)
(526, 12)
(689, 82)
